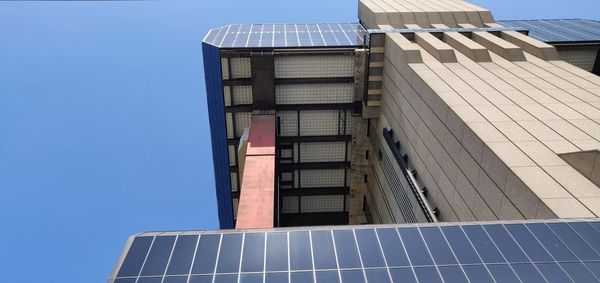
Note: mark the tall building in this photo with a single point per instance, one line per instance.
(424, 114)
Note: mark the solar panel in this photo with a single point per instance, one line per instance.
(559, 30)
(286, 35)
(554, 250)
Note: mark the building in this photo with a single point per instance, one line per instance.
(473, 145)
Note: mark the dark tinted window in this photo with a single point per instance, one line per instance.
(323, 250)
(453, 273)
(552, 243)
(135, 257)
(437, 245)
(575, 243)
(392, 247)
(254, 252)
(277, 252)
(206, 254)
(478, 273)
(528, 242)
(369, 248)
(509, 248)
(181, 260)
(377, 275)
(327, 276)
(417, 252)
(346, 249)
(300, 252)
(157, 260)
(229, 254)
(460, 245)
(483, 244)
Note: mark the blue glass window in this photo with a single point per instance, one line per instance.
(301, 277)
(528, 273)
(427, 274)
(588, 233)
(175, 279)
(280, 277)
(511, 251)
(201, 279)
(377, 275)
(251, 278)
(226, 278)
(502, 273)
(578, 272)
(150, 280)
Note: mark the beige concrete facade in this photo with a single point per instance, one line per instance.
(495, 125)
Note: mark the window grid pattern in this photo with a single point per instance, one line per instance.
(322, 151)
(286, 35)
(324, 203)
(553, 251)
(242, 95)
(314, 66)
(242, 121)
(314, 93)
(240, 68)
(322, 178)
(582, 58)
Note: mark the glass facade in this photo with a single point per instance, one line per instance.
(549, 251)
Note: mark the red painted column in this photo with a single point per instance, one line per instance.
(257, 197)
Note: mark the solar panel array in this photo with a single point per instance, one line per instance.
(555, 31)
(551, 251)
(286, 35)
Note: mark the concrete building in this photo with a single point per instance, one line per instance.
(425, 111)
(424, 114)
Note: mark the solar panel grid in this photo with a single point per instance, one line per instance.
(286, 35)
(559, 30)
(515, 252)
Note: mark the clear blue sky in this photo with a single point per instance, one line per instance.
(103, 121)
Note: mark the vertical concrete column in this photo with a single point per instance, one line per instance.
(257, 198)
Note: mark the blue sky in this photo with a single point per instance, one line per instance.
(103, 121)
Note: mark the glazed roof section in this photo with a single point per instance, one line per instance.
(559, 30)
(286, 35)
